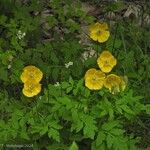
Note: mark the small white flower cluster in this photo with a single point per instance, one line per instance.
(88, 54)
(20, 34)
(9, 66)
(57, 84)
(70, 63)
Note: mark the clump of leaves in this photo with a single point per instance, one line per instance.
(68, 115)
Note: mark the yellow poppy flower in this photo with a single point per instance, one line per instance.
(31, 89)
(114, 83)
(106, 61)
(31, 73)
(99, 32)
(94, 79)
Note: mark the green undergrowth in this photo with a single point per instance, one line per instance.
(69, 116)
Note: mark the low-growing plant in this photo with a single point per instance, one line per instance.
(53, 98)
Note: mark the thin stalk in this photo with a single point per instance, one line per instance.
(115, 37)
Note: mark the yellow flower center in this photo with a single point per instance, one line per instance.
(99, 32)
(31, 87)
(106, 62)
(31, 75)
(94, 79)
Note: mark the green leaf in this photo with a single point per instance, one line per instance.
(86, 92)
(52, 133)
(24, 135)
(77, 122)
(119, 109)
(54, 58)
(78, 87)
(71, 81)
(66, 102)
(117, 132)
(18, 64)
(110, 125)
(118, 43)
(147, 108)
(52, 21)
(44, 130)
(53, 91)
(54, 124)
(55, 74)
(120, 143)
(69, 89)
(65, 85)
(111, 114)
(90, 128)
(109, 140)
(3, 74)
(2, 19)
(90, 62)
(103, 113)
(100, 138)
(127, 109)
(74, 146)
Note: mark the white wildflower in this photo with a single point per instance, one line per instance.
(88, 54)
(20, 34)
(9, 66)
(70, 63)
(57, 84)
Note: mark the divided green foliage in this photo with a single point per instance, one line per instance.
(66, 115)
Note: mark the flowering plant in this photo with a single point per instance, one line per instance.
(68, 83)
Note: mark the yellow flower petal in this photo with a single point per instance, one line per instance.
(31, 73)
(106, 68)
(99, 32)
(103, 36)
(113, 61)
(105, 55)
(93, 36)
(103, 25)
(94, 79)
(114, 83)
(90, 72)
(95, 27)
(31, 89)
(106, 61)
(123, 84)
